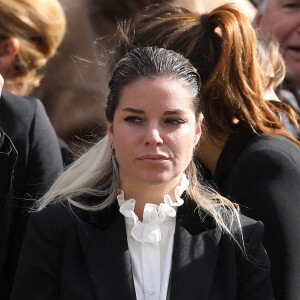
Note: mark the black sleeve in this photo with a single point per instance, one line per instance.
(266, 185)
(38, 272)
(6, 163)
(8, 158)
(254, 280)
(44, 161)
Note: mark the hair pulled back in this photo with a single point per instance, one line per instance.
(151, 62)
(222, 47)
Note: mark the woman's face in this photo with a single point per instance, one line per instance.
(154, 131)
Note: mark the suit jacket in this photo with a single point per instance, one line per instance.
(73, 254)
(290, 96)
(8, 158)
(262, 174)
(32, 158)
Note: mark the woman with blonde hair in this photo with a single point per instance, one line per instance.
(129, 219)
(244, 149)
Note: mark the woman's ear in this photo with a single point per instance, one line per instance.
(8, 50)
(198, 130)
(110, 132)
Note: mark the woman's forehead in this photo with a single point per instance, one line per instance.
(164, 91)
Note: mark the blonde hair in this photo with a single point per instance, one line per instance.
(96, 172)
(39, 26)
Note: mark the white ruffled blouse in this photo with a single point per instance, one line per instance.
(151, 243)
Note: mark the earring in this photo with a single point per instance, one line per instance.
(113, 151)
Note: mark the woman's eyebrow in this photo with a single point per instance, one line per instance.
(134, 110)
(168, 112)
(175, 112)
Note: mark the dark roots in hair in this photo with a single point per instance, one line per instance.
(151, 62)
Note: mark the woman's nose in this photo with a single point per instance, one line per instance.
(153, 136)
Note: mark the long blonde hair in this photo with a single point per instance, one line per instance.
(96, 172)
(39, 25)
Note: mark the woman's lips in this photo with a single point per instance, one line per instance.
(154, 158)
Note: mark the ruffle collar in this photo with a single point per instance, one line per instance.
(149, 230)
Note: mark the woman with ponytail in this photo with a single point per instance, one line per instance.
(129, 219)
(244, 150)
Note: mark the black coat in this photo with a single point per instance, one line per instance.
(262, 174)
(73, 254)
(8, 158)
(31, 155)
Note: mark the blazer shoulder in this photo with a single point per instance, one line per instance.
(251, 228)
(58, 217)
(263, 145)
(20, 112)
(17, 104)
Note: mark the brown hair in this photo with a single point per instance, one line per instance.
(40, 27)
(222, 47)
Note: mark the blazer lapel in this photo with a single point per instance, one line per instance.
(194, 258)
(107, 256)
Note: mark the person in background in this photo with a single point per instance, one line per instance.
(272, 64)
(30, 32)
(245, 150)
(281, 19)
(129, 219)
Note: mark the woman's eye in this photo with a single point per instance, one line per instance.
(175, 121)
(290, 5)
(133, 119)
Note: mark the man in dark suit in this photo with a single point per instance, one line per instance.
(30, 159)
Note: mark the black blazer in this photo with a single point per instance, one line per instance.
(262, 174)
(26, 123)
(32, 155)
(8, 158)
(72, 254)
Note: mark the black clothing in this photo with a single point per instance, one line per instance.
(8, 158)
(291, 97)
(33, 160)
(73, 254)
(262, 174)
